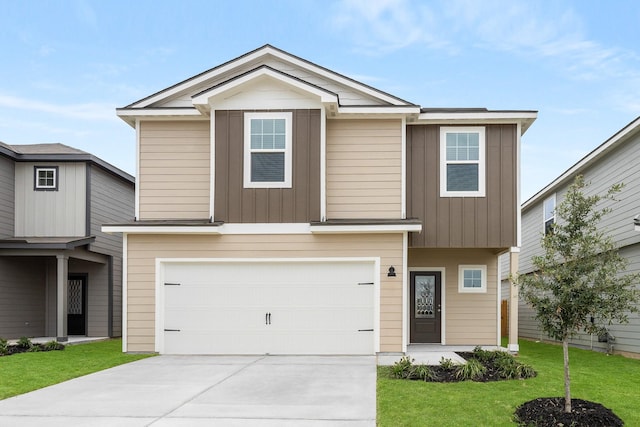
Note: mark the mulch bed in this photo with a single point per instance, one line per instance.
(549, 412)
(16, 349)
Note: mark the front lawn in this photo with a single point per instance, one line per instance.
(613, 381)
(25, 372)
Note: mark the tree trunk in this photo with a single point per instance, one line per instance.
(567, 378)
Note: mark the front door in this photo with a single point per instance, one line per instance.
(425, 307)
(77, 305)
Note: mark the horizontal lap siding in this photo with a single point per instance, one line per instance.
(143, 250)
(457, 222)
(471, 319)
(174, 170)
(364, 169)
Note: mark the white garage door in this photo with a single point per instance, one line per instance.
(268, 308)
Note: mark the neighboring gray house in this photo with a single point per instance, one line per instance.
(60, 275)
(616, 160)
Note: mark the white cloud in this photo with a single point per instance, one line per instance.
(87, 111)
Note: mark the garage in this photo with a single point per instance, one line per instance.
(267, 307)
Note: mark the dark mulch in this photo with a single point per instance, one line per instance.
(549, 412)
(16, 349)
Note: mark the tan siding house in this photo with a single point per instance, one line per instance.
(286, 209)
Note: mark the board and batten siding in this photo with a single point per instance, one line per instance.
(236, 204)
(144, 249)
(364, 169)
(463, 222)
(7, 197)
(470, 318)
(112, 201)
(174, 171)
(51, 213)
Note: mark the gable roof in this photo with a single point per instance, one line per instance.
(57, 152)
(619, 138)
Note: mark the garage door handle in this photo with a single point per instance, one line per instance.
(365, 330)
(172, 330)
(267, 318)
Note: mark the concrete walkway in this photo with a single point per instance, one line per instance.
(208, 391)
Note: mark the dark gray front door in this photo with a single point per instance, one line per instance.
(77, 305)
(425, 307)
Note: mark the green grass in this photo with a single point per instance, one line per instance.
(20, 373)
(613, 381)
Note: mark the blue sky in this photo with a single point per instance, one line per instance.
(66, 65)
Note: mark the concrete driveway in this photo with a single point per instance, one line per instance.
(208, 391)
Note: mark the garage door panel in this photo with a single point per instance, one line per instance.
(314, 307)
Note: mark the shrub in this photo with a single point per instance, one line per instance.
(424, 373)
(24, 342)
(447, 364)
(4, 347)
(471, 370)
(52, 345)
(402, 368)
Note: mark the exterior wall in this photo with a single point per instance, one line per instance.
(347, 96)
(236, 204)
(22, 306)
(457, 222)
(364, 169)
(111, 201)
(97, 295)
(144, 249)
(7, 196)
(470, 318)
(174, 170)
(51, 213)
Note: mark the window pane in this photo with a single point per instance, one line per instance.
(267, 126)
(462, 177)
(452, 153)
(462, 153)
(474, 153)
(472, 279)
(279, 141)
(549, 207)
(279, 126)
(256, 126)
(267, 167)
(267, 141)
(474, 139)
(256, 142)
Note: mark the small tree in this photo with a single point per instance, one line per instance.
(578, 276)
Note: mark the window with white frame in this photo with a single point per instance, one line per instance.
(45, 178)
(549, 213)
(267, 150)
(472, 278)
(462, 161)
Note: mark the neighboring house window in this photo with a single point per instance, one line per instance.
(267, 150)
(45, 178)
(462, 162)
(472, 278)
(549, 214)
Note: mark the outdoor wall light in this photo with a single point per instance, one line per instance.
(392, 272)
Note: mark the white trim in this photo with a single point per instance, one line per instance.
(354, 229)
(38, 169)
(405, 288)
(158, 112)
(588, 159)
(125, 292)
(403, 167)
(266, 228)
(499, 302)
(203, 99)
(443, 305)
(481, 162)
(212, 165)
(266, 50)
(160, 295)
(519, 184)
(483, 285)
(462, 118)
(400, 111)
(323, 164)
(137, 186)
(514, 348)
(160, 229)
(288, 118)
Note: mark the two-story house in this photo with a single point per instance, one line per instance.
(616, 160)
(284, 208)
(60, 275)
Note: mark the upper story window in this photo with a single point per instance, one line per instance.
(462, 162)
(267, 150)
(472, 278)
(45, 178)
(549, 213)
